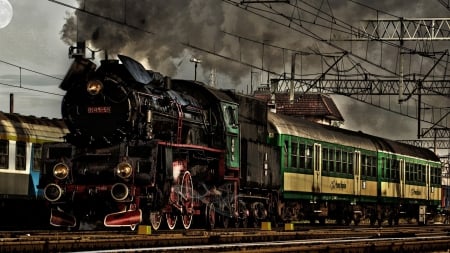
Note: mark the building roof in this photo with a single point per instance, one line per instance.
(305, 105)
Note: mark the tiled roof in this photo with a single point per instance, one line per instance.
(305, 105)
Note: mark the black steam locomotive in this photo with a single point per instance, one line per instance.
(144, 148)
(139, 150)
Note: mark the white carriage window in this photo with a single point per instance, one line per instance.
(20, 155)
(37, 156)
(4, 156)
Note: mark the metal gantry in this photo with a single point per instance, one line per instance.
(404, 29)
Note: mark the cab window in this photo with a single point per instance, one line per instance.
(231, 115)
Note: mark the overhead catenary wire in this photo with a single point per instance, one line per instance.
(20, 85)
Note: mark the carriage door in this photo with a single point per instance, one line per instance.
(402, 178)
(317, 179)
(428, 180)
(357, 173)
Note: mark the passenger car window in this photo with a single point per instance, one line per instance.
(4, 156)
(20, 155)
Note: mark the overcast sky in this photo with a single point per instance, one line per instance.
(32, 40)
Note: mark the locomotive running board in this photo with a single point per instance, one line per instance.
(123, 219)
(61, 219)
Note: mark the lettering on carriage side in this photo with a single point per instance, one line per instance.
(416, 192)
(338, 185)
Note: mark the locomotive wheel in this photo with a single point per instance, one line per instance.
(187, 192)
(187, 220)
(171, 220)
(155, 219)
(210, 216)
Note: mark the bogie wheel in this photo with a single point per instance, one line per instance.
(236, 222)
(357, 220)
(171, 220)
(210, 216)
(187, 193)
(155, 219)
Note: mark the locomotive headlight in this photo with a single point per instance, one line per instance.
(61, 171)
(94, 87)
(124, 170)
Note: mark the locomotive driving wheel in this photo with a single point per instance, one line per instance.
(171, 220)
(155, 219)
(187, 193)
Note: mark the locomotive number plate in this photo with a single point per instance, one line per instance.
(99, 109)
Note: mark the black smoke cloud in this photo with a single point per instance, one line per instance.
(163, 28)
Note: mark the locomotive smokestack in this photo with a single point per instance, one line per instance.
(78, 51)
(11, 103)
(81, 45)
(168, 82)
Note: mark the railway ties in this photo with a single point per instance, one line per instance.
(308, 239)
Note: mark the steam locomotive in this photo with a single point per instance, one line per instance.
(144, 148)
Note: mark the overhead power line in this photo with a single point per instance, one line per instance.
(20, 85)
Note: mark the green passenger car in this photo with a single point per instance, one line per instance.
(330, 173)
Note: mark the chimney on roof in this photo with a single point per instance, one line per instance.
(11, 103)
(273, 91)
(291, 88)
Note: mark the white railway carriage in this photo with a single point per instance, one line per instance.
(21, 139)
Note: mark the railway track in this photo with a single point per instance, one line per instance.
(304, 238)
